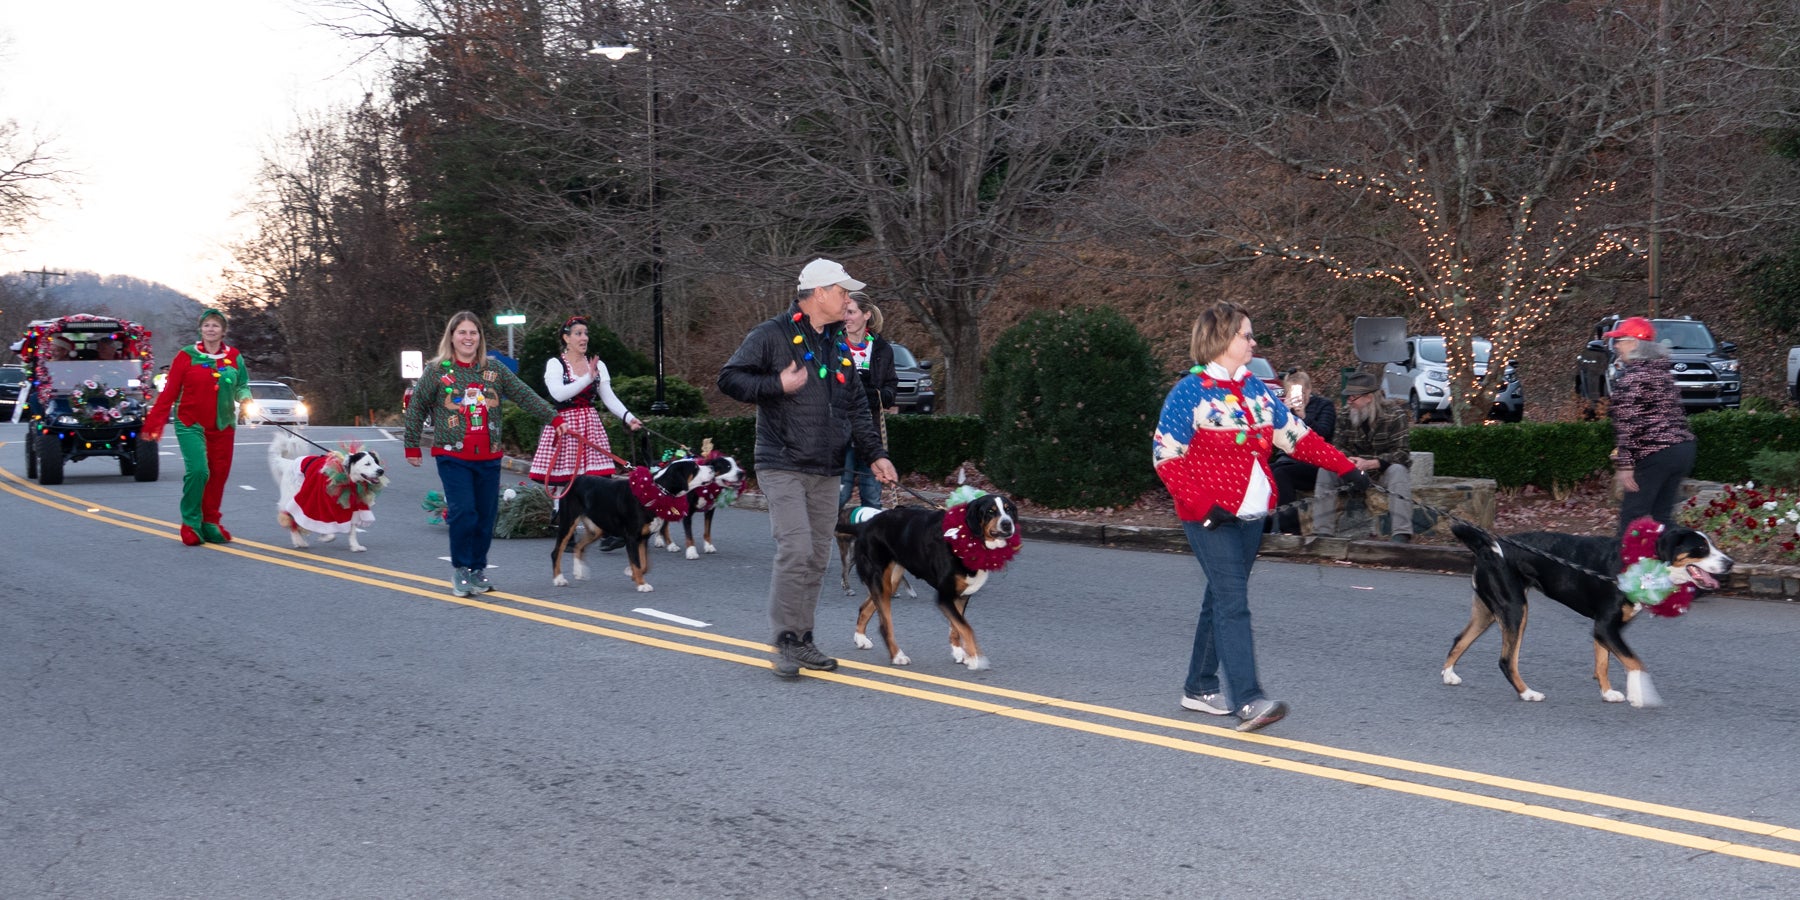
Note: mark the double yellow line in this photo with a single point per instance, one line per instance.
(1454, 785)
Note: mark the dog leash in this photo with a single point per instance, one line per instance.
(303, 437)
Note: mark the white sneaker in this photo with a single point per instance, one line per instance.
(1213, 704)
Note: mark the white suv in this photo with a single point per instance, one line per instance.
(1423, 380)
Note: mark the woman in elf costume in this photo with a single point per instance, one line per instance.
(460, 392)
(208, 379)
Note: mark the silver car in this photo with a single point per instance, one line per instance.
(273, 401)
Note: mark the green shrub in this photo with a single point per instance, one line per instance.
(638, 392)
(1729, 438)
(934, 446)
(1551, 455)
(1775, 469)
(519, 430)
(1071, 399)
(1761, 405)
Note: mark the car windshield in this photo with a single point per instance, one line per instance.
(274, 391)
(67, 376)
(1431, 350)
(903, 357)
(9, 375)
(1260, 368)
(1680, 334)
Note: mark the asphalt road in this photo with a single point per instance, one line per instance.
(252, 721)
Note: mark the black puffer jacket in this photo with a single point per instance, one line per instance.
(806, 431)
(880, 380)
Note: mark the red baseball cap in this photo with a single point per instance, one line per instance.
(1635, 327)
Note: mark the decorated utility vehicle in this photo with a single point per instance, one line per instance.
(90, 385)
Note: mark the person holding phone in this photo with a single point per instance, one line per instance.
(1291, 475)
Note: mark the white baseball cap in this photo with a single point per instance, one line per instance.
(821, 272)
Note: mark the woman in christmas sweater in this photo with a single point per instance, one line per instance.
(1211, 450)
(575, 380)
(208, 379)
(460, 392)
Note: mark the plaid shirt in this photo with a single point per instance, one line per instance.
(1382, 437)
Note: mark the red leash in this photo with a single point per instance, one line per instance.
(557, 492)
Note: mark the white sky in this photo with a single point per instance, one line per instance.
(163, 109)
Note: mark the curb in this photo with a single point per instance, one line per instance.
(1757, 581)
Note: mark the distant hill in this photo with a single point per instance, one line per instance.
(168, 313)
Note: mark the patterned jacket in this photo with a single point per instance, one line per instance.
(436, 392)
(1383, 437)
(1214, 438)
(1646, 411)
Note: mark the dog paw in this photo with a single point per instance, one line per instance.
(901, 659)
(1450, 677)
(560, 581)
(957, 654)
(327, 538)
(581, 570)
(645, 589)
(357, 548)
(1612, 696)
(693, 553)
(862, 641)
(672, 547)
(710, 548)
(656, 540)
(976, 663)
(1530, 695)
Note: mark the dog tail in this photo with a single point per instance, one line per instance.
(1486, 549)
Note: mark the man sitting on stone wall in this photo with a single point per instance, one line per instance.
(1373, 433)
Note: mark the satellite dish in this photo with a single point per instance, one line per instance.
(1380, 339)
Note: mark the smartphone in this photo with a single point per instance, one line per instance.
(1293, 393)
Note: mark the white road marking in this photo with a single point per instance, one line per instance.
(679, 620)
(246, 487)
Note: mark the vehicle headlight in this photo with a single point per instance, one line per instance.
(1433, 391)
(67, 420)
(1437, 375)
(1730, 366)
(925, 383)
(299, 409)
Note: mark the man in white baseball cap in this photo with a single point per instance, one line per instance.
(810, 409)
(822, 272)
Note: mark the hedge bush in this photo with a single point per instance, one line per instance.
(934, 446)
(1070, 399)
(1554, 455)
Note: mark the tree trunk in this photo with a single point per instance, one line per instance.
(959, 393)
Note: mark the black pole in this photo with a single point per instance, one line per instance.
(661, 405)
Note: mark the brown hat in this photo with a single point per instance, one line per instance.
(1361, 383)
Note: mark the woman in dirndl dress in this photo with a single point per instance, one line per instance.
(574, 379)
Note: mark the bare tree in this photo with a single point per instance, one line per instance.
(1479, 157)
(31, 173)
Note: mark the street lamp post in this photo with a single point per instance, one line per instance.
(653, 116)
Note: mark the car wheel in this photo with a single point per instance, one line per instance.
(1417, 409)
(50, 459)
(149, 462)
(31, 457)
(128, 461)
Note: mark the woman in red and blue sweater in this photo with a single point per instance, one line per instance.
(1212, 449)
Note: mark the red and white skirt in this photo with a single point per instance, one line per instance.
(560, 458)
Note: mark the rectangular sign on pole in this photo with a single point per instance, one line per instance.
(412, 364)
(510, 319)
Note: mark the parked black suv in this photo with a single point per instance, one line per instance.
(1705, 368)
(913, 393)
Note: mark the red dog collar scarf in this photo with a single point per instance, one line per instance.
(968, 546)
(1640, 543)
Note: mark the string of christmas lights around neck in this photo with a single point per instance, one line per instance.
(817, 357)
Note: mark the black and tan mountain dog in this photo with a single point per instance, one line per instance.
(951, 550)
(613, 506)
(1553, 564)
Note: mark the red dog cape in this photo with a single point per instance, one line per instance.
(1640, 544)
(327, 503)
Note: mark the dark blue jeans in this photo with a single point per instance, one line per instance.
(471, 500)
(1223, 637)
(860, 477)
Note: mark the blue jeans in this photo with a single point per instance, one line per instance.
(861, 477)
(1223, 636)
(471, 501)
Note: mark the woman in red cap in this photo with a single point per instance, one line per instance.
(1655, 447)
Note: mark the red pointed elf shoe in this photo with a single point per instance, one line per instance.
(189, 536)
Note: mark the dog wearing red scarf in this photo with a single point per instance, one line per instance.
(1580, 572)
(704, 501)
(952, 550)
